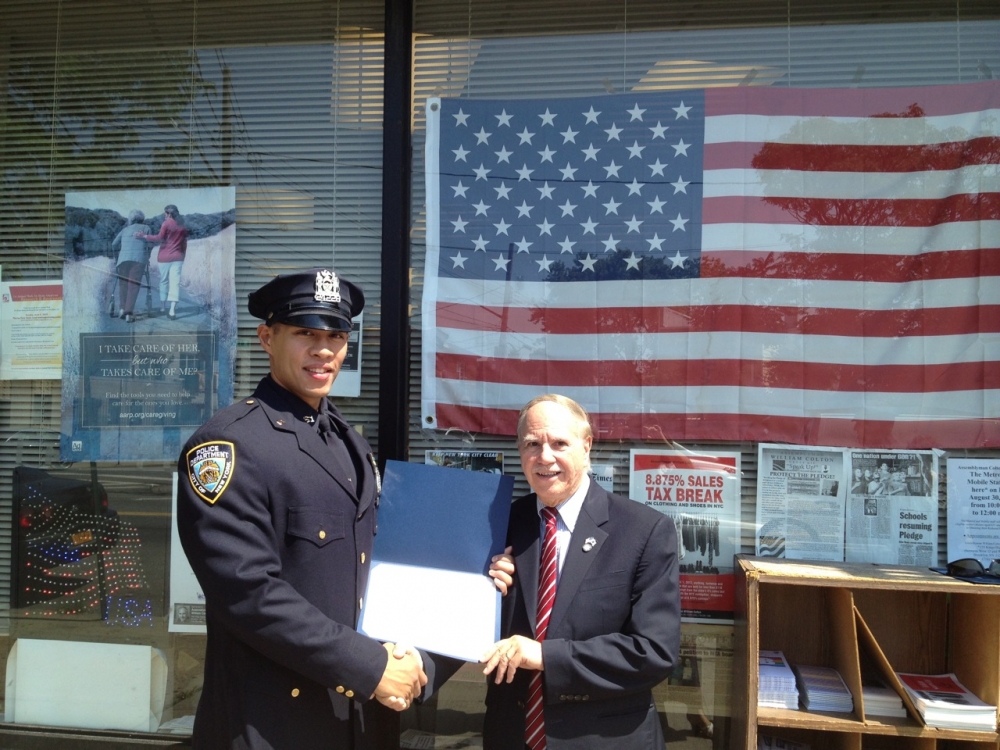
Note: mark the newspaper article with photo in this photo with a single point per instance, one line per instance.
(892, 515)
(800, 502)
(701, 494)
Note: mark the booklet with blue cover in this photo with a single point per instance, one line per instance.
(438, 529)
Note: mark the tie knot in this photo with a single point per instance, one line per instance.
(324, 424)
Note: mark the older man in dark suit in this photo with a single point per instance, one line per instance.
(593, 618)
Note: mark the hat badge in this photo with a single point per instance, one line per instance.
(327, 287)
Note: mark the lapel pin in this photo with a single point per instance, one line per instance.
(589, 544)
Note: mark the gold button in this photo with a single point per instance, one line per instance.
(322, 534)
(279, 422)
(362, 558)
(340, 688)
(349, 693)
(249, 402)
(295, 692)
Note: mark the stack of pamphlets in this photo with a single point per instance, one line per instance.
(766, 742)
(823, 689)
(777, 682)
(882, 701)
(945, 702)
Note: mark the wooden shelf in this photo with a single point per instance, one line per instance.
(855, 618)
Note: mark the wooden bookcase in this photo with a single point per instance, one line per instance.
(856, 618)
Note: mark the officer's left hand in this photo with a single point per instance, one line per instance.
(502, 571)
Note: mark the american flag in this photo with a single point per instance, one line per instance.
(793, 265)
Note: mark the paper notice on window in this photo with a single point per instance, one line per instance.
(31, 330)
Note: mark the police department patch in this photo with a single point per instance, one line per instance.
(210, 466)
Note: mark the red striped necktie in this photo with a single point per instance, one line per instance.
(534, 722)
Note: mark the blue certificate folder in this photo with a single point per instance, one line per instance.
(429, 587)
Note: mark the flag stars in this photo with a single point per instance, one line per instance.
(613, 132)
(591, 115)
(460, 153)
(656, 168)
(458, 261)
(524, 209)
(502, 227)
(547, 154)
(678, 260)
(461, 118)
(482, 137)
(459, 225)
(632, 262)
(481, 172)
(523, 245)
(635, 187)
(524, 173)
(681, 148)
(659, 131)
(479, 244)
(679, 223)
(569, 135)
(589, 226)
(546, 191)
(503, 191)
(567, 208)
(548, 118)
(587, 263)
(680, 186)
(633, 224)
(610, 244)
(612, 169)
(525, 137)
(590, 153)
(635, 150)
(590, 189)
(636, 113)
(568, 172)
(544, 264)
(566, 246)
(459, 189)
(656, 205)
(682, 111)
(481, 208)
(656, 243)
(503, 118)
(503, 155)
(611, 207)
(545, 227)
(501, 263)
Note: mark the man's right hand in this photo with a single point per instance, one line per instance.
(402, 681)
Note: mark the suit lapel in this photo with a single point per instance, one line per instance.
(527, 548)
(578, 562)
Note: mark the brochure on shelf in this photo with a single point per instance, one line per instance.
(943, 701)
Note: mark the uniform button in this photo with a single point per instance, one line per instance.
(349, 693)
(362, 558)
(322, 534)
(340, 688)
(295, 692)
(361, 603)
(279, 422)
(250, 402)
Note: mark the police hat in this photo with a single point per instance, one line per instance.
(318, 298)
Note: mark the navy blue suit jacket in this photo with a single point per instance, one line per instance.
(614, 632)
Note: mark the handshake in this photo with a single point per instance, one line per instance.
(403, 678)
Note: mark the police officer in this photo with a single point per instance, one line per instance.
(276, 511)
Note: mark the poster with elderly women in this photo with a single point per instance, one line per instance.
(149, 331)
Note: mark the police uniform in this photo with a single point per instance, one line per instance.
(279, 533)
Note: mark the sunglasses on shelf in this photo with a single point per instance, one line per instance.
(970, 567)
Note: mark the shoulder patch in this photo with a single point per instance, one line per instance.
(210, 467)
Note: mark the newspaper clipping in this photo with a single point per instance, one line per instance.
(800, 502)
(892, 508)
